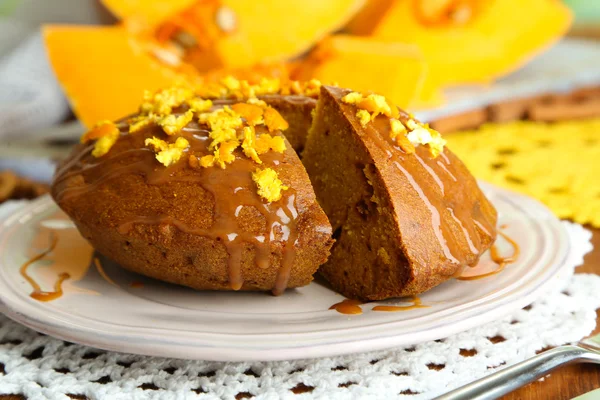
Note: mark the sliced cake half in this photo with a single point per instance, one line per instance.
(406, 213)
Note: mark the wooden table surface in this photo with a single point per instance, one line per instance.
(562, 384)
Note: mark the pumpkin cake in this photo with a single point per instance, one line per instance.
(406, 213)
(297, 111)
(203, 188)
(206, 194)
(294, 100)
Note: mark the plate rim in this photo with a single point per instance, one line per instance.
(124, 338)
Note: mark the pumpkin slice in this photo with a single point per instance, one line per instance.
(469, 41)
(102, 70)
(396, 70)
(431, 94)
(252, 74)
(368, 17)
(147, 12)
(238, 33)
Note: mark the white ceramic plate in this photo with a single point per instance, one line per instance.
(156, 318)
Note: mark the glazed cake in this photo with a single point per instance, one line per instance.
(206, 194)
(406, 213)
(205, 189)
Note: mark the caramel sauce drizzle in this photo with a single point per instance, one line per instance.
(102, 272)
(454, 227)
(472, 247)
(348, 306)
(436, 219)
(431, 172)
(501, 261)
(353, 307)
(232, 189)
(38, 293)
(483, 228)
(417, 303)
(443, 166)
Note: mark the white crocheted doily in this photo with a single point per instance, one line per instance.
(41, 367)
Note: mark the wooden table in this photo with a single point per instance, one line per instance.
(564, 383)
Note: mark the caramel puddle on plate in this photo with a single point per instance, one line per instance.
(348, 306)
(38, 293)
(416, 304)
(501, 261)
(353, 307)
(66, 256)
(136, 285)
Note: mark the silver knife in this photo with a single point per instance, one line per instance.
(508, 379)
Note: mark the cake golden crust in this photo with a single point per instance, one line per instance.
(205, 228)
(403, 222)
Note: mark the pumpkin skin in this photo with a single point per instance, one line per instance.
(396, 70)
(470, 41)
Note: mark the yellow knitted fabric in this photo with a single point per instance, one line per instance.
(559, 164)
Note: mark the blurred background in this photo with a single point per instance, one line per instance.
(65, 64)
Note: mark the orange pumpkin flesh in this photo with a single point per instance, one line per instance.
(146, 12)
(252, 74)
(395, 70)
(368, 17)
(239, 33)
(102, 70)
(415, 47)
(470, 41)
(113, 68)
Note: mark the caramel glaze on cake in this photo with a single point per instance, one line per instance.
(206, 228)
(403, 222)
